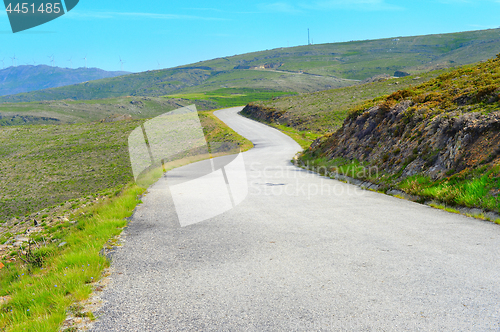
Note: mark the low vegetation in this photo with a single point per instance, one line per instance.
(43, 166)
(120, 108)
(37, 290)
(105, 110)
(478, 188)
(230, 97)
(325, 111)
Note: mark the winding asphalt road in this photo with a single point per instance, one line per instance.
(302, 253)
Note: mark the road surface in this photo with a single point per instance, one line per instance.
(302, 253)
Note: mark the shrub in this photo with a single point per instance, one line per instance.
(36, 257)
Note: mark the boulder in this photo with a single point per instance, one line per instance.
(399, 73)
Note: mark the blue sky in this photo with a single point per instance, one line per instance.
(167, 33)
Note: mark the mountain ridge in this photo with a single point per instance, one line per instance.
(27, 78)
(328, 65)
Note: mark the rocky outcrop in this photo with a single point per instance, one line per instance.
(16, 120)
(116, 118)
(405, 141)
(261, 113)
(262, 66)
(399, 73)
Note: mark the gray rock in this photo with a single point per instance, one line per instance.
(401, 74)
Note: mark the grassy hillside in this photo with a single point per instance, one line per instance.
(228, 97)
(325, 111)
(438, 140)
(30, 78)
(45, 165)
(300, 69)
(71, 111)
(179, 81)
(42, 166)
(360, 60)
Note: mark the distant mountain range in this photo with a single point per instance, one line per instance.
(14, 80)
(299, 69)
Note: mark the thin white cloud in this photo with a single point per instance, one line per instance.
(483, 27)
(279, 7)
(217, 10)
(206, 9)
(132, 15)
(361, 5)
(219, 35)
(470, 2)
(454, 2)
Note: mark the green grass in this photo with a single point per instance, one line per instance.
(43, 166)
(444, 208)
(217, 131)
(231, 97)
(303, 138)
(265, 79)
(481, 216)
(40, 294)
(70, 112)
(471, 189)
(352, 168)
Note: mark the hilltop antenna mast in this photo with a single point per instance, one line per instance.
(121, 62)
(51, 57)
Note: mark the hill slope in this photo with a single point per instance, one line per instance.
(300, 69)
(70, 112)
(77, 111)
(325, 111)
(20, 79)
